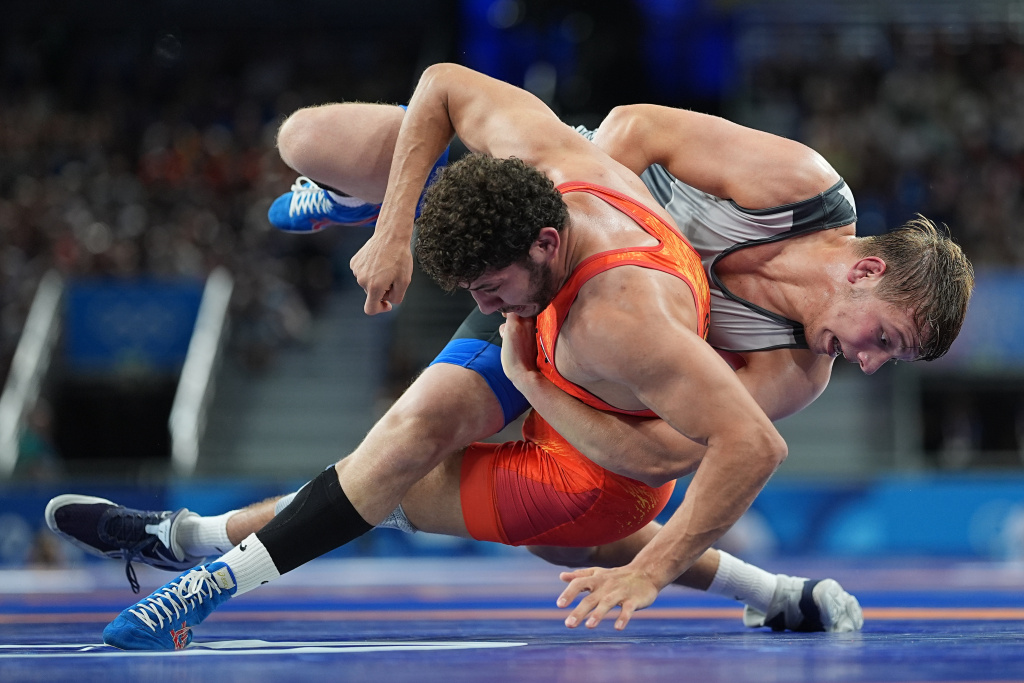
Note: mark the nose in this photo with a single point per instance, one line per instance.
(487, 303)
(870, 362)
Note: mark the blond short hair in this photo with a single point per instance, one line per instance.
(928, 273)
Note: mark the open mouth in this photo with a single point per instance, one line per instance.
(836, 348)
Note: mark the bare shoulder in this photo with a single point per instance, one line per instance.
(630, 307)
(575, 159)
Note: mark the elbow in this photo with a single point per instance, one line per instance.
(624, 119)
(621, 135)
(758, 450)
(438, 73)
(773, 447)
(648, 462)
(618, 117)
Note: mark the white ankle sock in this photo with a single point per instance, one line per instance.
(744, 582)
(345, 200)
(251, 564)
(204, 536)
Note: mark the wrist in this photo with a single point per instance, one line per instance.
(398, 222)
(532, 384)
(660, 571)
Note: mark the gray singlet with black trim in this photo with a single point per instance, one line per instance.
(716, 227)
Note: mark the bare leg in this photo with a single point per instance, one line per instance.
(250, 519)
(698, 576)
(354, 156)
(434, 504)
(446, 408)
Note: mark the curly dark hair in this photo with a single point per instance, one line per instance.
(482, 214)
(929, 273)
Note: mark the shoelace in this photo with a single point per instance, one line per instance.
(131, 524)
(308, 197)
(178, 596)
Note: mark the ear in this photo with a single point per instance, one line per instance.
(545, 247)
(868, 268)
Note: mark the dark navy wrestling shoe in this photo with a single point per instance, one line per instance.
(104, 528)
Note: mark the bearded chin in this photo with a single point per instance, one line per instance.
(542, 285)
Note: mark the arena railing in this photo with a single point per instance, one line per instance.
(187, 420)
(28, 367)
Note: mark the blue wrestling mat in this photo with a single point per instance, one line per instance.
(492, 619)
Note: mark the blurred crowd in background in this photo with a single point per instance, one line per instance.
(917, 119)
(133, 145)
(139, 142)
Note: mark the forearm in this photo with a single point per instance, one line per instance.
(723, 488)
(425, 131)
(649, 450)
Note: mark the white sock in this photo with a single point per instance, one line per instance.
(203, 536)
(345, 200)
(251, 564)
(744, 582)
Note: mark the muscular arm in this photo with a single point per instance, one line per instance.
(782, 382)
(679, 376)
(755, 169)
(490, 117)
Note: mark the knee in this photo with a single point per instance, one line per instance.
(296, 135)
(445, 413)
(422, 437)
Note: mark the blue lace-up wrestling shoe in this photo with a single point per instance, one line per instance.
(800, 604)
(103, 528)
(165, 619)
(308, 208)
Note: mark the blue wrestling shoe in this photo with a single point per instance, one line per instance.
(165, 619)
(103, 528)
(800, 604)
(308, 208)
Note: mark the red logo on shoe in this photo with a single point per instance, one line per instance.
(180, 636)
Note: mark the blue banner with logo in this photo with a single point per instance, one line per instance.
(129, 325)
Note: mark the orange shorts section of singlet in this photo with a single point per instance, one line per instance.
(542, 491)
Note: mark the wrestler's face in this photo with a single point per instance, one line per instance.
(524, 289)
(865, 330)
